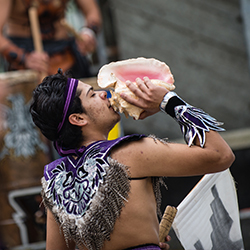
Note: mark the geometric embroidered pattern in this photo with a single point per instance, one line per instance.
(73, 187)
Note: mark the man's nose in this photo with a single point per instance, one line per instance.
(103, 94)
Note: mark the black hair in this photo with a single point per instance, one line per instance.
(47, 111)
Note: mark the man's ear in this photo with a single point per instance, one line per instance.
(78, 119)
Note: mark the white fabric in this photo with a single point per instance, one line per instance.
(208, 217)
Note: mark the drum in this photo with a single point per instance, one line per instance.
(23, 154)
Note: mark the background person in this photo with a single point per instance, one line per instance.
(60, 49)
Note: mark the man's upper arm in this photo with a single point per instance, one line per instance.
(149, 157)
(4, 14)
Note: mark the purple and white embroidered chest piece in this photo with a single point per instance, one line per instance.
(72, 183)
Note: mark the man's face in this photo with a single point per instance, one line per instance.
(98, 109)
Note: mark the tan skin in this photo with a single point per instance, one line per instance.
(138, 223)
(40, 60)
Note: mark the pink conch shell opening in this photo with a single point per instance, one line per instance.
(115, 74)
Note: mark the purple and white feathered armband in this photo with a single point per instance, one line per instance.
(193, 121)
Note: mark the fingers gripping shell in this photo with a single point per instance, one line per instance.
(115, 74)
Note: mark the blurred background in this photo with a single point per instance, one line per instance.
(206, 44)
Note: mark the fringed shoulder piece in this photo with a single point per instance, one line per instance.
(158, 182)
(96, 225)
(163, 140)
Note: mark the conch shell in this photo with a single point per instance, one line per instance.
(115, 74)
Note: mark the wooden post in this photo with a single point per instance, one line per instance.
(35, 30)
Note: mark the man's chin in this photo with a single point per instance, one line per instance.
(118, 118)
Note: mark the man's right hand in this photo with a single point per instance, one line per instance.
(149, 96)
(37, 60)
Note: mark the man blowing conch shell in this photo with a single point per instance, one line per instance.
(106, 194)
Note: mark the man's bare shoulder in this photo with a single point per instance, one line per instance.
(136, 147)
(139, 155)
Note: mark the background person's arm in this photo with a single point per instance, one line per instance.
(4, 14)
(92, 15)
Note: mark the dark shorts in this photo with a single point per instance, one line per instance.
(81, 68)
(145, 247)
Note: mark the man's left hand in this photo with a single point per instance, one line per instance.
(165, 246)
